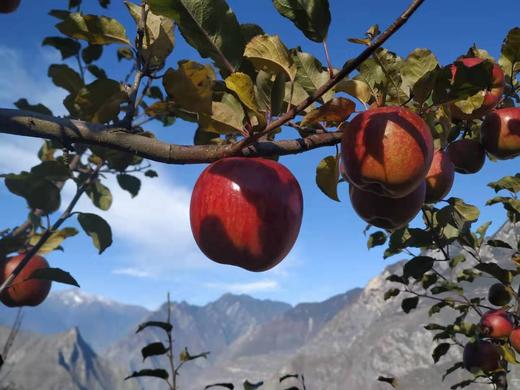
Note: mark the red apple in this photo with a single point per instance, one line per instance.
(23, 291)
(500, 133)
(481, 355)
(439, 179)
(496, 324)
(387, 213)
(387, 151)
(246, 212)
(491, 96)
(467, 155)
(8, 6)
(514, 339)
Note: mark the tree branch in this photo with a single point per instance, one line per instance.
(348, 68)
(29, 124)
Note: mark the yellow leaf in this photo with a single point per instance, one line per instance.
(335, 110)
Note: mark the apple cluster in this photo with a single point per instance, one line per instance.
(389, 159)
(497, 327)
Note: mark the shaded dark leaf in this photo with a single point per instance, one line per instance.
(391, 381)
(153, 349)
(439, 351)
(23, 104)
(54, 274)
(98, 229)
(158, 373)
(418, 266)
(409, 304)
(499, 244)
(167, 327)
(67, 47)
(376, 239)
(229, 386)
(129, 183)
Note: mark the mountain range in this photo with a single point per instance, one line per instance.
(76, 341)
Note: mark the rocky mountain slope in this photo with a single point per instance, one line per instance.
(64, 310)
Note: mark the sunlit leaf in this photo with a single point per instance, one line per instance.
(336, 110)
(327, 176)
(268, 53)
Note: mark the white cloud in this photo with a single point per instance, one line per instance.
(17, 82)
(246, 288)
(153, 227)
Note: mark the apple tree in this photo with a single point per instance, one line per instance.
(399, 129)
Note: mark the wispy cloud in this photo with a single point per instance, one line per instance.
(16, 81)
(246, 288)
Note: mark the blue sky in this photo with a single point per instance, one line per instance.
(154, 251)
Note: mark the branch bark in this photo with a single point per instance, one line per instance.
(29, 124)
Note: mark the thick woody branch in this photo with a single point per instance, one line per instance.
(30, 124)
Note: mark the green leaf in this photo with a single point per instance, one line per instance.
(393, 292)
(390, 380)
(268, 53)
(417, 64)
(499, 244)
(65, 77)
(310, 73)
(229, 386)
(125, 53)
(453, 368)
(439, 351)
(54, 241)
(496, 271)
(252, 386)
(40, 193)
(327, 176)
(508, 183)
(469, 212)
(508, 353)
(158, 40)
(227, 116)
(510, 53)
(53, 274)
(151, 173)
(92, 53)
(153, 349)
(156, 373)
(185, 356)
(97, 30)
(209, 26)
(67, 47)
(98, 229)
(166, 326)
(356, 88)
(418, 266)
(23, 104)
(191, 86)
(100, 101)
(243, 86)
(376, 239)
(336, 110)
(312, 17)
(129, 183)
(409, 304)
(51, 170)
(97, 72)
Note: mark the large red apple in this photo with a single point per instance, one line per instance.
(514, 339)
(246, 212)
(24, 291)
(500, 133)
(467, 155)
(7, 6)
(481, 355)
(492, 96)
(387, 151)
(496, 324)
(387, 213)
(439, 179)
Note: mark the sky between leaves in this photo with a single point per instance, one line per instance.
(153, 250)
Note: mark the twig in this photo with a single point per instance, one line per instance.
(45, 236)
(345, 71)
